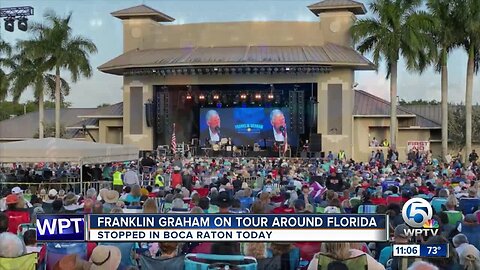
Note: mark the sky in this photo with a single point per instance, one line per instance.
(92, 19)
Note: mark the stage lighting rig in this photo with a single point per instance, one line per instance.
(16, 13)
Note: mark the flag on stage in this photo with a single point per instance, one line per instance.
(174, 141)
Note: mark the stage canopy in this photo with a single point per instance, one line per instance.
(62, 150)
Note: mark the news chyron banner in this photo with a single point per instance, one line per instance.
(213, 227)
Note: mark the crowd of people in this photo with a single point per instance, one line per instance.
(262, 186)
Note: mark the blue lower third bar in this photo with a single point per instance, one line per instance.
(60, 228)
(438, 250)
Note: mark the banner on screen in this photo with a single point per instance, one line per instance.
(189, 227)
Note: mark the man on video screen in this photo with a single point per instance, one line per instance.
(277, 119)
(213, 123)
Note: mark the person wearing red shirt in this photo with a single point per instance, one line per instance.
(176, 178)
(15, 215)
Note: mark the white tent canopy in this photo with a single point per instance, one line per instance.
(62, 150)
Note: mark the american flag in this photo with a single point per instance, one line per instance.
(174, 141)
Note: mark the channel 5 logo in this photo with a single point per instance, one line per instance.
(417, 213)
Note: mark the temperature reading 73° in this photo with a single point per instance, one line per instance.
(433, 250)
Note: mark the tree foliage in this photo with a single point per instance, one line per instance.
(9, 108)
(457, 122)
(419, 102)
(50, 131)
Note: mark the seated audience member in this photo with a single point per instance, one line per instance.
(57, 206)
(167, 250)
(284, 251)
(134, 196)
(11, 245)
(469, 255)
(30, 240)
(97, 207)
(422, 266)
(91, 194)
(87, 206)
(3, 222)
(72, 262)
(226, 248)
(70, 205)
(342, 251)
(224, 202)
(105, 258)
(150, 207)
(110, 198)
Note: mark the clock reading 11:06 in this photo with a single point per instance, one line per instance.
(417, 250)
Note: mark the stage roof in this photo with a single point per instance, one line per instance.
(327, 55)
(142, 11)
(338, 5)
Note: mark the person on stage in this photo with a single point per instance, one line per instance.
(277, 119)
(213, 123)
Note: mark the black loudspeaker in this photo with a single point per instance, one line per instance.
(315, 142)
(149, 115)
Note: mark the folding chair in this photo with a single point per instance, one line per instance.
(24, 262)
(175, 263)
(212, 261)
(469, 205)
(367, 209)
(356, 263)
(56, 251)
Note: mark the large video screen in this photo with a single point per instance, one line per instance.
(245, 126)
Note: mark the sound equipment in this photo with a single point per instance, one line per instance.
(149, 114)
(315, 142)
(300, 112)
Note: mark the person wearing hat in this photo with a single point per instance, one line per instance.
(111, 198)
(15, 215)
(400, 238)
(105, 258)
(19, 192)
(224, 202)
(70, 205)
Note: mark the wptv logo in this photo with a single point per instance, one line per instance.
(417, 214)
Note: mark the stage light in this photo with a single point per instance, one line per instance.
(216, 97)
(9, 24)
(22, 24)
(188, 97)
(270, 96)
(201, 97)
(287, 69)
(258, 96)
(243, 96)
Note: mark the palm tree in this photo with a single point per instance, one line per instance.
(467, 13)
(32, 72)
(63, 51)
(445, 37)
(5, 63)
(398, 28)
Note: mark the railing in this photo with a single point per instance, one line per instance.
(74, 186)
